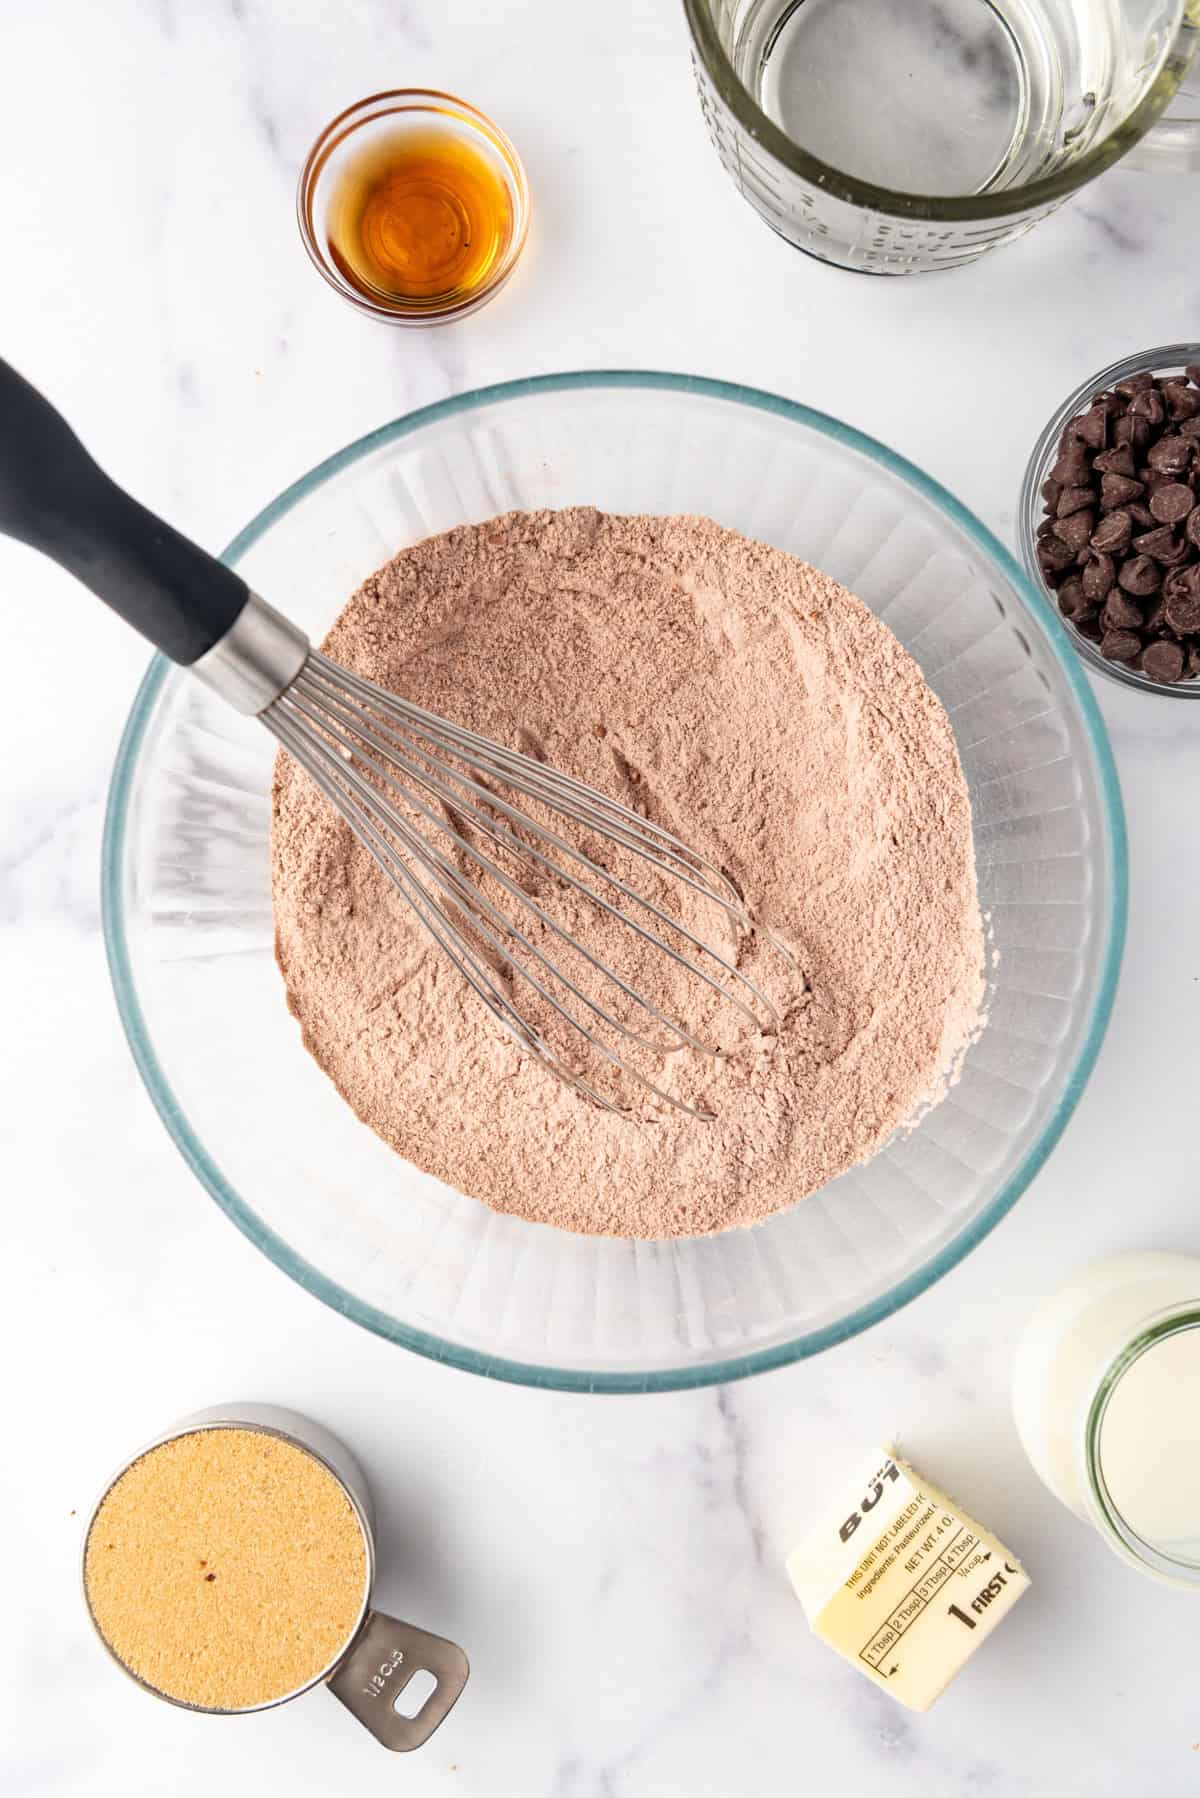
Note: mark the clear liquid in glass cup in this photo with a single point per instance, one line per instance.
(894, 138)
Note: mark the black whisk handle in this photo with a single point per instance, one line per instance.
(55, 498)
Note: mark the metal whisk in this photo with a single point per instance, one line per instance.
(470, 833)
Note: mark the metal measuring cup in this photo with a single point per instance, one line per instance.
(381, 1654)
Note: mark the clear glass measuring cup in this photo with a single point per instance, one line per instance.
(896, 136)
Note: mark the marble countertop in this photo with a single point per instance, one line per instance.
(614, 1566)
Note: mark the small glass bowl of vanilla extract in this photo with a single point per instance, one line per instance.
(414, 206)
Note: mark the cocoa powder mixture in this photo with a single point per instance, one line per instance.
(750, 704)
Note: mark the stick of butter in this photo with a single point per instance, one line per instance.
(903, 1583)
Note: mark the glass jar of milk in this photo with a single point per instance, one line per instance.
(1106, 1392)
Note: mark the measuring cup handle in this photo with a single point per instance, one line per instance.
(382, 1659)
(1172, 145)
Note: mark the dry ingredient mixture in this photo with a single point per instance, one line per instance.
(226, 1568)
(741, 699)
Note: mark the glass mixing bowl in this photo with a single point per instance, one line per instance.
(188, 915)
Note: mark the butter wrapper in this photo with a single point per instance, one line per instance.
(902, 1582)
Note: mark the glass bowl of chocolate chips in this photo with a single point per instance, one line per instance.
(1110, 519)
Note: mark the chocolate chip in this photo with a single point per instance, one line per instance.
(1182, 611)
(1181, 400)
(1170, 455)
(1156, 620)
(1131, 430)
(1054, 554)
(1098, 578)
(1162, 661)
(1075, 530)
(1073, 499)
(1071, 597)
(1092, 427)
(1162, 544)
(1122, 613)
(1125, 563)
(1117, 489)
(1149, 405)
(1182, 583)
(1113, 461)
(1140, 575)
(1120, 646)
(1113, 532)
(1171, 502)
(1179, 557)
(1071, 469)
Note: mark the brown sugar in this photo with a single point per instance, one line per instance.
(226, 1568)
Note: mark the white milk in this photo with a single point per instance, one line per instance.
(1082, 1339)
(1150, 1445)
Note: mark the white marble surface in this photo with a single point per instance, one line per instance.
(614, 1566)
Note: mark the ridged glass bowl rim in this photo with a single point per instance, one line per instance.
(499, 1367)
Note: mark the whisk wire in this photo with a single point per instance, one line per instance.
(371, 753)
(316, 763)
(396, 749)
(560, 791)
(475, 901)
(347, 788)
